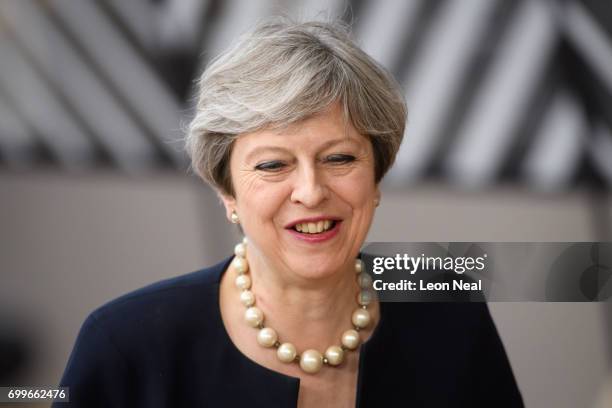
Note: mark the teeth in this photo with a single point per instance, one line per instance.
(314, 227)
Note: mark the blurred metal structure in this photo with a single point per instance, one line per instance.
(497, 91)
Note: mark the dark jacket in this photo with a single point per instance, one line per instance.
(165, 346)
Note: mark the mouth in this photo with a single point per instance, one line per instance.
(315, 229)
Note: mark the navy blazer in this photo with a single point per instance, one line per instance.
(166, 346)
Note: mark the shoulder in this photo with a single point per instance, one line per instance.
(442, 315)
(141, 333)
(168, 306)
(457, 341)
(431, 324)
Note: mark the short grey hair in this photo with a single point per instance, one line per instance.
(283, 72)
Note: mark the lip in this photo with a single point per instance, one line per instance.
(316, 238)
(312, 219)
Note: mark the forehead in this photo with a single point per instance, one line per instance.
(328, 128)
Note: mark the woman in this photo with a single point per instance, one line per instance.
(295, 128)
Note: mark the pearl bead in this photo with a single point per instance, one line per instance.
(311, 361)
(358, 266)
(240, 265)
(286, 352)
(364, 280)
(247, 298)
(361, 318)
(243, 282)
(240, 250)
(350, 339)
(365, 297)
(253, 316)
(267, 337)
(334, 355)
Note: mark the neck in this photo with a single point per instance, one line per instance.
(310, 313)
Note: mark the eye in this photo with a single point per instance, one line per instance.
(340, 158)
(270, 166)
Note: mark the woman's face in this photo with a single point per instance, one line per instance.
(290, 184)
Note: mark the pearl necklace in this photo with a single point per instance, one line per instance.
(310, 360)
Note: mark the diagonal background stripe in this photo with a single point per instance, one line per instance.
(482, 79)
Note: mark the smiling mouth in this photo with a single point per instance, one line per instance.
(313, 228)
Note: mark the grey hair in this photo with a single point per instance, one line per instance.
(283, 72)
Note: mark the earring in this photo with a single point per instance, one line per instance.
(234, 218)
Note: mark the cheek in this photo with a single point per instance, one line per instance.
(260, 201)
(357, 196)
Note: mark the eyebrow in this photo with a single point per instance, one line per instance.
(324, 146)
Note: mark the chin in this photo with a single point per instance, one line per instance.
(316, 267)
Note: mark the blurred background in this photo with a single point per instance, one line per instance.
(509, 139)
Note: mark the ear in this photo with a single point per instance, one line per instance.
(229, 203)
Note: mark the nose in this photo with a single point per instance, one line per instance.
(309, 187)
